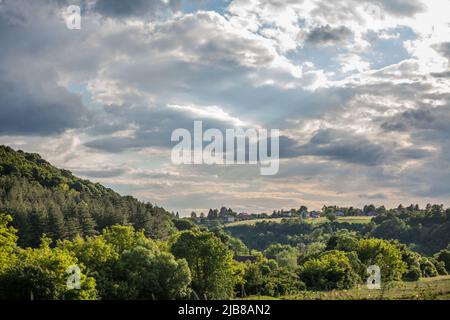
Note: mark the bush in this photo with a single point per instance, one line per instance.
(440, 266)
(332, 270)
(385, 255)
(266, 277)
(41, 274)
(282, 282)
(127, 265)
(184, 224)
(8, 241)
(413, 274)
(427, 267)
(444, 256)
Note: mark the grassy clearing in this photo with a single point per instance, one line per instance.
(437, 288)
(357, 219)
(253, 222)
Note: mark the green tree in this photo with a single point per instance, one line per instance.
(153, 275)
(87, 223)
(184, 224)
(128, 265)
(285, 255)
(235, 244)
(428, 268)
(282, 282)
(332, 270)
(266, 277)
(55, 223)
(210, 263)
(42, 273)
(331, 217)
(385, 255)
(8, 240)
(412, 260)
(343, 241)
(444, 256)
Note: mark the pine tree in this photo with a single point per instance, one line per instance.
(37, 223)
(87, 223)
(55, 225)
(141, 219)
(72, 228)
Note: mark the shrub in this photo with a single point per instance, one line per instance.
(427, 267)
(413, 274)
(332, 270)
(384, 254)
(444, 256)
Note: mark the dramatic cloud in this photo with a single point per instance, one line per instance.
(360, 91)
(326, 35)
(32, 103)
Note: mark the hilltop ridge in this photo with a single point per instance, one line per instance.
(44, 199)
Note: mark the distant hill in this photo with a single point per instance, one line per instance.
(44, 199)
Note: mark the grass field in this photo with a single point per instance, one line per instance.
(437, 288)
(357, 219)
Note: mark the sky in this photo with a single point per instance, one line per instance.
(360, 91)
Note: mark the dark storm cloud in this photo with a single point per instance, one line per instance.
(359, 152)
(405, 120)
(288, 147)
(339, 145)
(336, 145)
(326, 35)
(342, 146)
(32, 104)
(430, 123)
(427, 127)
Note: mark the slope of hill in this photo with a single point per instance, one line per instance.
(44, 199)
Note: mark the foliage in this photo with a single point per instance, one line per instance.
(266, 277)
(184, 224)
(43, 199)
(234, 244)
(210, 263)
(427, 229)
(428, 268)
(8, 241)
(444, 256)
(285, 255)
(384, 254)
(128, 265)
(293, 231)
(332, 270)
(344, 241)
(41, 273)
